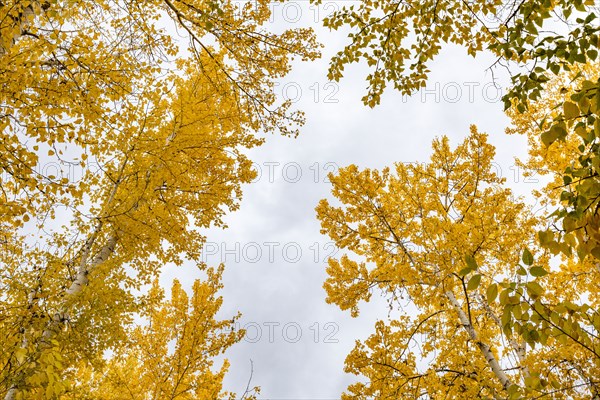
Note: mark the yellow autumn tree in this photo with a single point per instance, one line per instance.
(550, 308)
(443, 241)
(172, 356)
(561, 306)
(398, 40)
(566, 160)
(118, 145)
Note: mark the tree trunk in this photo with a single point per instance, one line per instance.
(58, 320)
(483, 347)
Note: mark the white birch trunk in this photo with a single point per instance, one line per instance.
(80, 281)
(483, 347)
(519, 348)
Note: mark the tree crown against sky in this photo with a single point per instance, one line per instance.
(539, 319)
(160, 131)
(110, 84)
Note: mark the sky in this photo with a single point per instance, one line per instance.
(274, 255)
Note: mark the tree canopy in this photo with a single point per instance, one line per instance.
(121, 143)
(520, 321)
(146, 142)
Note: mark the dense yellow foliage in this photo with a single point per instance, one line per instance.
(146, 140)
(171, 356)
(119, 145)
(484, 308)
(443, 242)
(407, 232)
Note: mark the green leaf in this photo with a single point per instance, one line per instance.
(504, 296)
(571, 110)
(596, 252)
(471, 263)
(559, 131)
(538, 271)
(517, 312)
(527, 257)
(548, 138)
(474, 282)
(492, 293)
(534, 289)
(512, 390)
(580, 58)
(545, 237)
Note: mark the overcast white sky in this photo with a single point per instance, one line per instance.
(275, 257)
